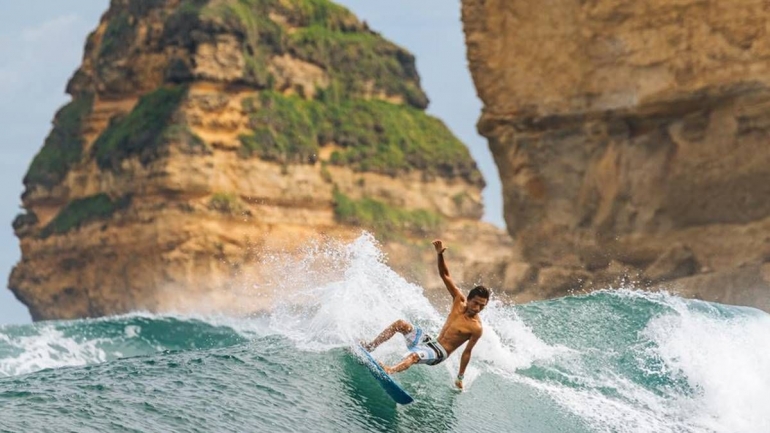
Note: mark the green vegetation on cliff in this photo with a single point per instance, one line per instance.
(63, 147)
(28, 218)
(374, 136)
(84, 210)
(361, 67)
(227, 203)
(284, 128)
(141, 132)
(118, 35)
(385, 220)
(360, 62)
(357, 60)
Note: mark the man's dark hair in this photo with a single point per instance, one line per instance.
(479, 291)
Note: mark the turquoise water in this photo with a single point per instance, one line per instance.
(611, 361)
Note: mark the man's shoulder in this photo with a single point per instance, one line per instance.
(458, 301)
(479, 325)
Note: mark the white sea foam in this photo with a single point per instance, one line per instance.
(725, 359)
(47, 348)
(361, 301)
(723, 354)
(30, 348)
(509, 343)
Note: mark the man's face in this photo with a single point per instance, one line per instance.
(475, 305)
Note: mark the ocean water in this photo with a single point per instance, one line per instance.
(610, 361)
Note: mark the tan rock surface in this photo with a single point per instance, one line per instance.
(202, 226)
(621, 127)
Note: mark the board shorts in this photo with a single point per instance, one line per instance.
(426, 347)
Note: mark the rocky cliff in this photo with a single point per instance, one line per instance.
(631, 137)
(205, 137)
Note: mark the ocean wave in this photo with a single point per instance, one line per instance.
(29, 348)
(609, 361)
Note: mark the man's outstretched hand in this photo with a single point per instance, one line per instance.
(439, 245)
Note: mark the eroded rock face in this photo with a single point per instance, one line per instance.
(621, 128)
(207, 138)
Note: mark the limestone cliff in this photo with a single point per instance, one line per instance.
(631, 137)
(206, 136)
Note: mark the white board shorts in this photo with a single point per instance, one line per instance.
(426, 347)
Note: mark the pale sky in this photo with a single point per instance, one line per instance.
(41, 45)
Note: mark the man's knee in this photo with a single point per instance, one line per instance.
(403, 326)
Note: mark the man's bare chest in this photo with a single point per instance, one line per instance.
(459, 327)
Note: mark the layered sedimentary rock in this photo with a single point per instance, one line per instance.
(632, 141)
(206, 138)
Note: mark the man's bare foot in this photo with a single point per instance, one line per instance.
(365, 345)
(385, 367)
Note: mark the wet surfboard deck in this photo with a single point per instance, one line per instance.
(387, 383)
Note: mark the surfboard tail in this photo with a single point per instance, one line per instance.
(391, 387)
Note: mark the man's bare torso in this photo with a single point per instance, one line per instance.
(458, 327)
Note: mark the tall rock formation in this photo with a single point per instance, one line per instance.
(632, 140)
(206, 136)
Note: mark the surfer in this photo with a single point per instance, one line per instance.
(463, 324)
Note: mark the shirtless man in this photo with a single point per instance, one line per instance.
(463, 324)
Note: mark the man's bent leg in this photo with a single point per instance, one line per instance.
(405, 363)
(401, 326)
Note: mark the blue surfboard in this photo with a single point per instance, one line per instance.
(387, 383)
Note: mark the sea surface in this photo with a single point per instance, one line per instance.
(618, 360)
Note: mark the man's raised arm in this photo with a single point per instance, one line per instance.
(443, 271)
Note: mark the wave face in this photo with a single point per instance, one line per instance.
(612, 361)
